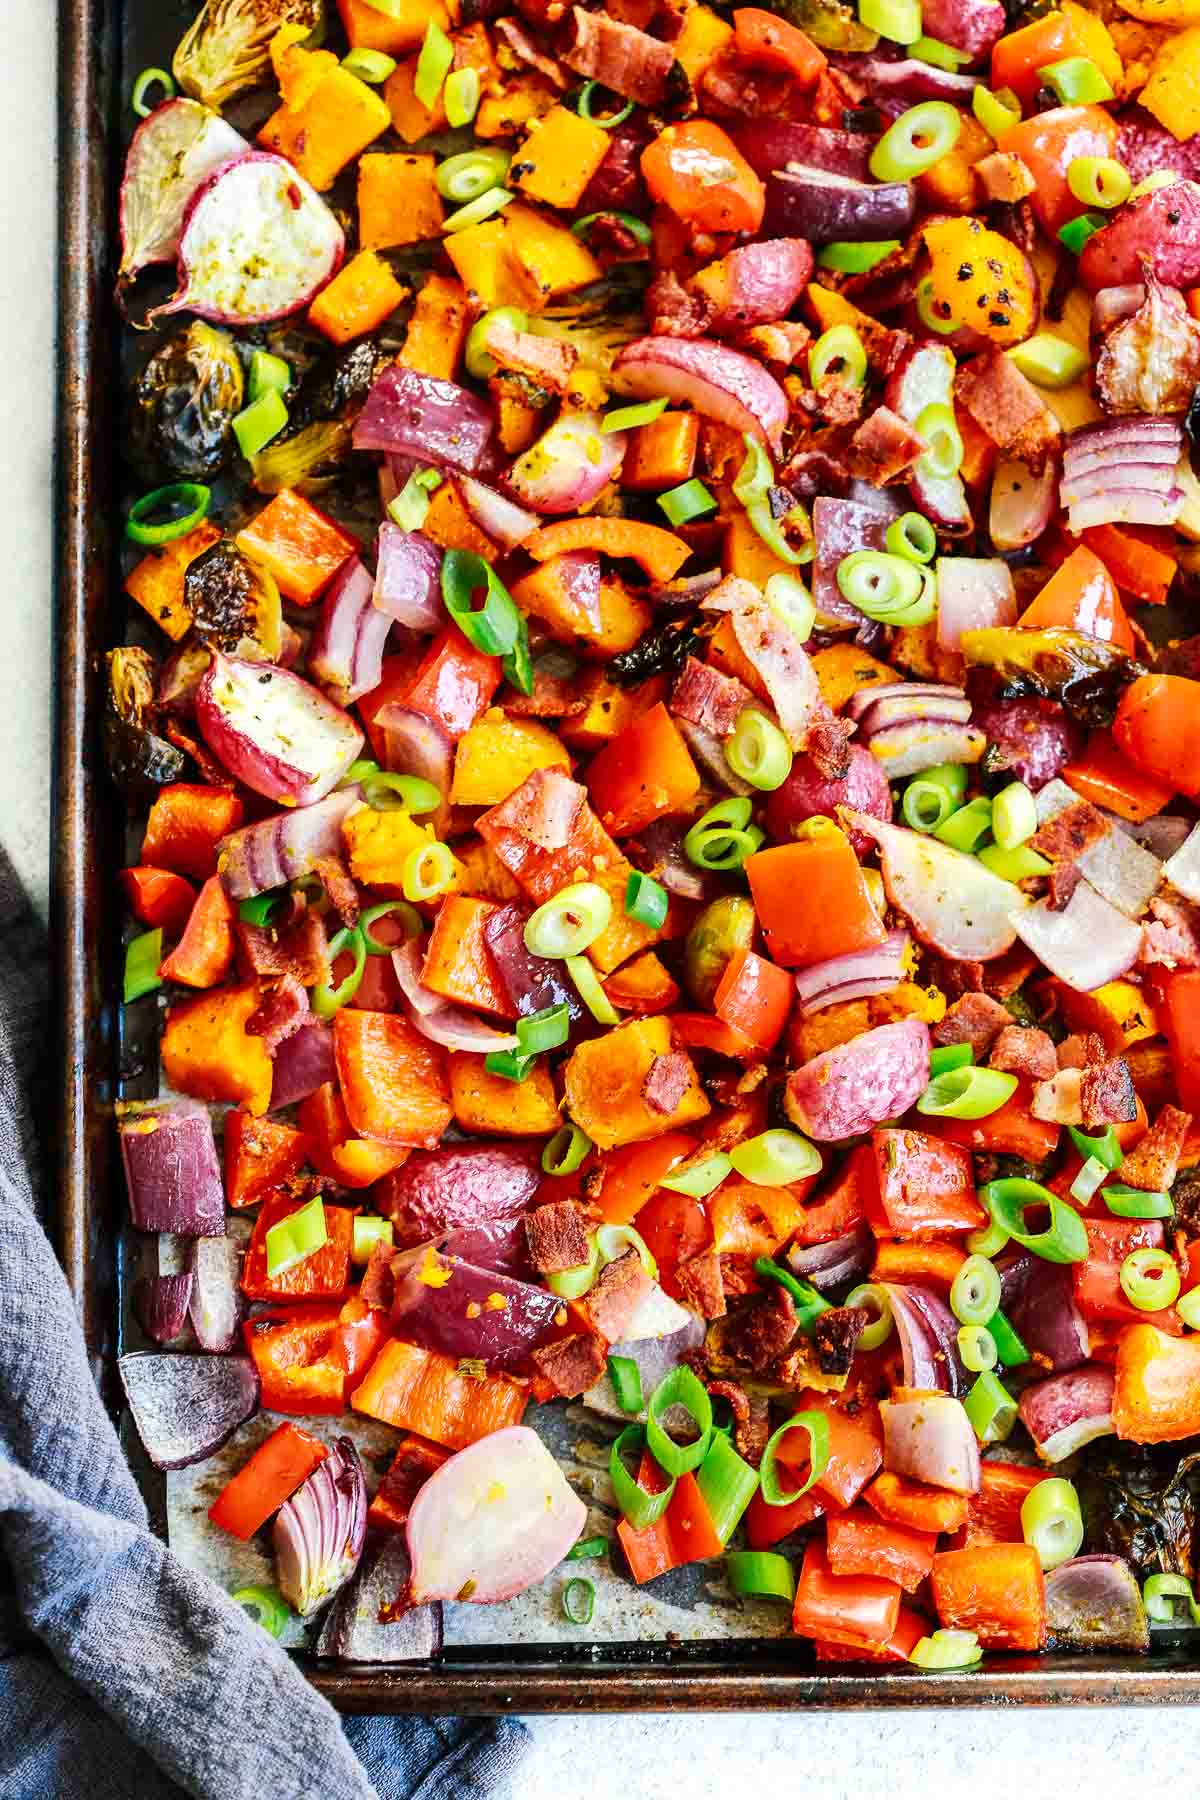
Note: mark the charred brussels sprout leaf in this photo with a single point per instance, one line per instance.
(724, 925)
(340, 383)
(138, 758)
(309, 455)
(185, 401)
(234, 603)
(1140, 1503)
(828, 23)
(660, 652)
(227, 48)
(1085, 673)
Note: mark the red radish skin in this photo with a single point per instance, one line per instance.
(926, 378)
(492, 1521)
(274, 731)
(172, 154)
(569, 466)
(952, 902)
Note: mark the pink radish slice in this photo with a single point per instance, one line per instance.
(569, 465)
(492, 1521)
(951, 901)
(172, 155)
(926, 378)
(274, 731)
(258, 243)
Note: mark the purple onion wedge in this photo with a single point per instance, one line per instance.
(346, 653)
(284, 847)
(823, 208)
(186, 1407)
(407, 413)
(161, 1302)
(462, 1320)
(836, 1262)
(319, 1533)
(369, 1622)
(171, 1169)
(1095, 1603)
(303, 1063)
(215, 1301)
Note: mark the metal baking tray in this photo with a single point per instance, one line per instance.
(102, 43)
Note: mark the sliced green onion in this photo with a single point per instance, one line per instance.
(1064, 1240)
(752, 489)
(191, 495)
(371, 66)
(1149, 1279)
(615, 1240)
(966, 828)
(646, 900)
(268, 373)
(478, 358)
(545, 1030)
(637, 228)
(727, 1485)
(606, 121)
(975, 1291)
(143, 956)
(1052, 1522)
(258, 909)
(758, 752)
(838, 351)
(977, 1347)
(1014, 816)
(296, 1238)
(919, 138)
(951, 776)
(776, 1158)
(388, 792)
(816, 1425)
(428, 871)
(912, 537)
(433, 65)
(1076, 232)
(1159, 1594)
(633, 1502)
(950, 1056)
(968, 1093)
(790, 600)
(722, 837)
(387, 909)
(987, 1240)
(326, 1000)
(1188, 1308)
(257, 424)
(1134, 1203)
(761, 1575)
(855, 259)
(925, 806)
(492, 627)
(939, 427)
(565, 925)
(265, 1606)
(579, 1600)
(151, 78)
(567, 1150)
(933, 312)
(997, 112)
(470, 174)
(1076, 80)
(809, 1303)
(946, 1650)
(476, 211)
(899, 20)
(1151, 184)
(1106, 1147)
(460, 96)
(587, 1548)
(1048, 361)
(572, 1284)
(591, 990)
(1091, 1176)
(368, 1233)
(699, 1178)
(1009, 1348)
(691, 500)
(874, 1297)
(510, 1065)
(941, 56)
(990, 1408)
(411, 506)
(628, 418)
(626, 1380)
(1013, 865)
(679, 1388)
(880, 585)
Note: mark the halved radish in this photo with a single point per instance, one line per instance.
(952, 902)
(275, 732)
(258, 243)
(171, 156)
(925, 377)
(492, 1521)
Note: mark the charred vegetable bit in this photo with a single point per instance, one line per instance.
(185, 402)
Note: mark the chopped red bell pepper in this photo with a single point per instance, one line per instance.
(204, 954)
(325, 1275)
(754, 997)
(156, 897)
(684, 1534)
(855, 1446)
(454, 684)
(282, 1463)
(1097, 1282)
(921, 1184)
(416, 1459)
(1011, 1130)
(842, 1206)
(336, 1152)
(310, 1357)
(861, 1543)
(260, 1155)
(828, 1604)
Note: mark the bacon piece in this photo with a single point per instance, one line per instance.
(781, 341)
(1150, 362)
(281, 1010)
(751, 1418)
(976, 1019)
(1006, 179)
(1025, 1050)
(1008, 408)
(378, 1285)
(813, 472)
(620, 57)
(764, 1332)
(1066, 836)
(1063, 879)
(298, 950)
(1153, 1163)
(1081, 1050)
(1107, 1095)
(571, 1365)
(700, 1284)
(334, 877)
(884, 447)
(778, 656)
(1003, 976)
(676, 311)
(523, 47)
(829, 743)
(835, 1337)
(666, 1081)
(211, 771)
(706, 697)
(620, 1289)
(545, 361)
(556, 1237)
(543, 809)
(1173, 935)
(414, 1462)
(553, 697)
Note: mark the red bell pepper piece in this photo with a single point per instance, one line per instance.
(631, 1174)
(1048, 143)
(673, 1227)
(910, 1503)
(1097, 1282)
(855, 1447)
(701, 1031)
(921, 1184)
(643, 774)
(1106, 778)
(1158, 727)
(415, 1461)
(204, 954)
(1082, 595)
(684, 1534)
(301, 1355)
(766, 41)
(842, 1206)
(697, 171)
(260, 1155)
(911, 1627)
(282, 1463)
(829, 1604)
(861, 1543)
(156, 897)
(325, 1275)
(837, 915)
(454, 684)
(767, 1525)
(1178, 999)
(996, 1590)
(1011, 1130)
(994, 1513)
(1138, 560)
(755, 998)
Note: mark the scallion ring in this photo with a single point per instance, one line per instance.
(968, 1093)
(606, 121)
(874, 1297)
(698, 1178)
(975, 1291)
(933, 313)
(879, 585)
(579, 1600)
(990, 1408)
(475, 212)
(679, 1388)
(1052, 1522)
(776, 1158)
(470, 174)
(1160, 1594)
(1064, 1239)
(429, 871)
(1105, 1146)
(591, 990)
(565, 925)
(925, 805)
(919, 138)
(460, 96)
(616, 1241)
(192, 496)
(634, 1503)
(816, 1426)
(637, 228)
(838, 352)
(152, 78)
(790, 600)
(399, 910)
(977, 1348)
(573, 1284)
(371, 66)
(912, 537)
(1150, 1279)
(939, 427)
(946, 1650)
(587, 1548)
(646, 900)
(264, 1605)
(1014, 816)
(626, 1379)
(758, 752)
(967, 826)
(433, 65)
(567, 1150)
(720, 837)
(1089, 1180)
(1135, 1203)
(761, 1575)
(494, 626)
(328, 1000)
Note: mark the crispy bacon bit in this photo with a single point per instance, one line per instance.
(976, 1019)
(378, 1285)
(1107, 1095)
(543, 809)
(1173, 935)
(1082, 1050)
(829, 744)
(1025, 1050)
(813, 472)
(300, 950)
(335, 879)
(700, 1284)
(1006, 974)
(620, 57)
(545, 361)
(1008, 408)
(884, 447)
(620, 1289)
(556, 1237)
(764, 1332)
(1057, 1100)
(282, 1009)
(524, 48)
(1150, 362)
(211, 771)
(666, 1082)
(572, 1364)
(676, 311)
(836, 1334)
(1153, 1163)
(414, 1462)
(1066, 836)
(783, 341)
(1005, 177)
(1061, 883)
(751, 1418)
(708, 698)
(553, 697)
(738, 1277)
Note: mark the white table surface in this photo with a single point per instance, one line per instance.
(928, 1755)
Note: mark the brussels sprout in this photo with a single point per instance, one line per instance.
(227, 47)
(185, 401)
(138, 758)
(310, 454)
(1055, 663)
(234, 603)
(724, 925)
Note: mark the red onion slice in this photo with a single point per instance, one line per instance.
(973, 593)
(949, 708)
(319, 1533)
(161, 1303)
(1038, 1299)
(1182, 870)
(931, 1440)
(172, 1174)
(186, 1407)
(406, 579)
(346, 653)
(720, 383)
(1127, 506)
(506, 523)
(438, 1020)
(836, 1263)
(1065, 1412)
(908, 697)
(366, 1623)
(1095, 1603)
(303, 1063)
(853, 977)
(1022, 505)
(285, 847)
(839, 528)
(418, 415)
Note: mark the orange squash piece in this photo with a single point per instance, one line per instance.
(437, 329)
(1157, 1395)
(300, 545)
(156, 583)
(393, 1080)
(338, 119)
(398, 201)
(357, 300)
(643, 775)
(187, 821)
(207, 1052)
(604, 1080)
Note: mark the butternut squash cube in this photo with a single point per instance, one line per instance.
(480, 255)
(380, 843)
(398, 201)
(357, 300)
(437, 329)
(546, 593)
(338, 120)
(490, 1103)
(605, 1079)
(497, 755)
(550, 260)
(561, 153)
(700, 43)
(1172, 90)
(156, 583)
(369, 29)
(458, 964)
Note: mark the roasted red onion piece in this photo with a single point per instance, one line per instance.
(931, 1440)
(928, 1336)
(440, 1020)
(533, 983)
(895, 86)
(872, 708)
(492, 1521)
(1182, 870)
(346, 653)
(952, 902)
(1067, 1411)
(907, 748)
(406, 578)
(853, 977)
(171, 155)
(1086, 944)
(415, 745)
(319, 1533)
(825, 208)
(186, 1407)
(501, 519)
(282, 848)
(973, 592)
(216, 1305)
(369, 1622)
(172, 1173)
(420, 416)
(275, 732)
(462, 1319)
(837, 1262)
(303, 1063)
(1036, 737)
(1122, 472)
(722, 384)
(1039, 1302)
(458, 1186)
(569, 466)
(1095, 1603)
(769, 144)
(493, 1244)
(161, 1303)
(1022, 505)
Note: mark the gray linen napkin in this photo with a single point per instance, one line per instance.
(123, 1673)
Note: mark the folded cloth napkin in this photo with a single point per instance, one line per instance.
(123, 1674)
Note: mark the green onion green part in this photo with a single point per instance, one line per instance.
(727, 1485)
(1150, 1279)
(265, 1606)
(646, 900)
(1064, 1239)
(809, 1303)
(816, 1426)
(579, 1600)
(567, 1150)
(990, 1408)
(151, 78)
(634, 1503)
(565, 925)
(143, 956)
(142, 526)
(975, 1291)
(626, 1380)
(679, 1388)
(433, 65)
(761, 1575)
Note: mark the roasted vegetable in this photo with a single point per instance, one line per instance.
(226, 49)
(724, 926)
(830, 24)
(184, 403)
(1085, 673)
(1140, 1503)
(662, 651)
(298, 462)
(234, 603)
(139, 759)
